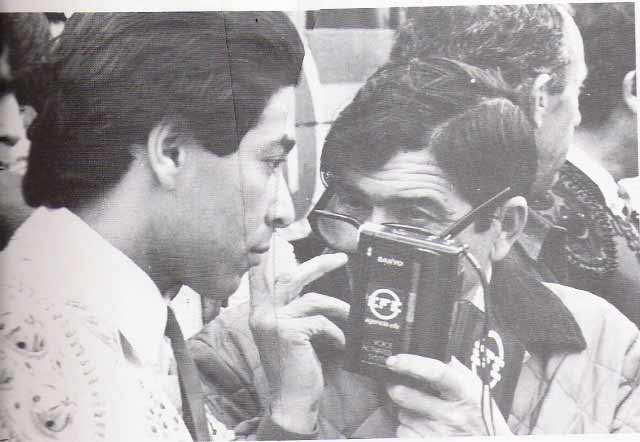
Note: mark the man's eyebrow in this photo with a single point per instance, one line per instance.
(429, 206)
(425, 204)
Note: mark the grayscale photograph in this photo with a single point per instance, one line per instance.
(359, 223)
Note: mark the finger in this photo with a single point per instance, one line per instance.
(407, 432)
(457, 365)
(280, 258)
(452, 383)
(288, 285)
(418, 423)
(312, 304)
(260, 288)
(319, 327)
(313, 269)
(247, 427)
(417, 401)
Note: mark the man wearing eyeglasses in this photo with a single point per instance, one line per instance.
(443, 148)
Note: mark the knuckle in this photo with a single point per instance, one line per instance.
(262, 322)
(404, 417)
(312, 297)
(398, 394)
(284, 278)
(318, 322)
(288, 334)
(402, 432)
(308, 301)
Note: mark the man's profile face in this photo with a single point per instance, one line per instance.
(13, 143)
(231, 205)
(411, 188)
(555, 135)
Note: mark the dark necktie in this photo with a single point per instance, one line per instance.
(193, 412)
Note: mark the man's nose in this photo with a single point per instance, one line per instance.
(11, 127)
(578, 117)
(282, 212)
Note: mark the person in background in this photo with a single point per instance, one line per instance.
(23, 44)
(572, 237)
(608, 103)
(424, 142)
(155, 163)
(606, 144)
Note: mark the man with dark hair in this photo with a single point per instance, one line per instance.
(537, 49)
(572, 237)
(155, 162)
(422, 144)
(23, 42)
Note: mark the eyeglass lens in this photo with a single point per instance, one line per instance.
(338, 234)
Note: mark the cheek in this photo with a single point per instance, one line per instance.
(480, 246)
(571, 111)
(259, 192)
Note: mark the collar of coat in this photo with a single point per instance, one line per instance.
(530, 310)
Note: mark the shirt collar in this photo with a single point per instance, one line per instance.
(526, 307)
(97, 275)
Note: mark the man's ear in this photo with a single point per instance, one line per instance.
(540, 95)
(512, 218)
(166, 155)
(629, 91)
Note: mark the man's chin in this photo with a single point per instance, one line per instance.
(220, 289)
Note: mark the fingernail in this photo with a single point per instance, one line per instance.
(391, 360)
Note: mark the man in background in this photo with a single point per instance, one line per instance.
(606, 144)
(608, 103)
(571, 236)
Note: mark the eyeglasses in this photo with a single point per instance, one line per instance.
(341, 232)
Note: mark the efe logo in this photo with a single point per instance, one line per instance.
(488, 356)
(384, 304)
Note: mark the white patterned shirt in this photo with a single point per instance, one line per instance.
(81, 334)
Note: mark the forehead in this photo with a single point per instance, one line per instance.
(413, 175)
(577, 68)
(275, 127)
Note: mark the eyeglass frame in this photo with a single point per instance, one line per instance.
(452, 231)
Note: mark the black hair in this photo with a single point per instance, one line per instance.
(468, 117)
(519, 41)
(115, 76)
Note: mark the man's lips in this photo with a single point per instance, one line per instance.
(260, 249)
(256, 254)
